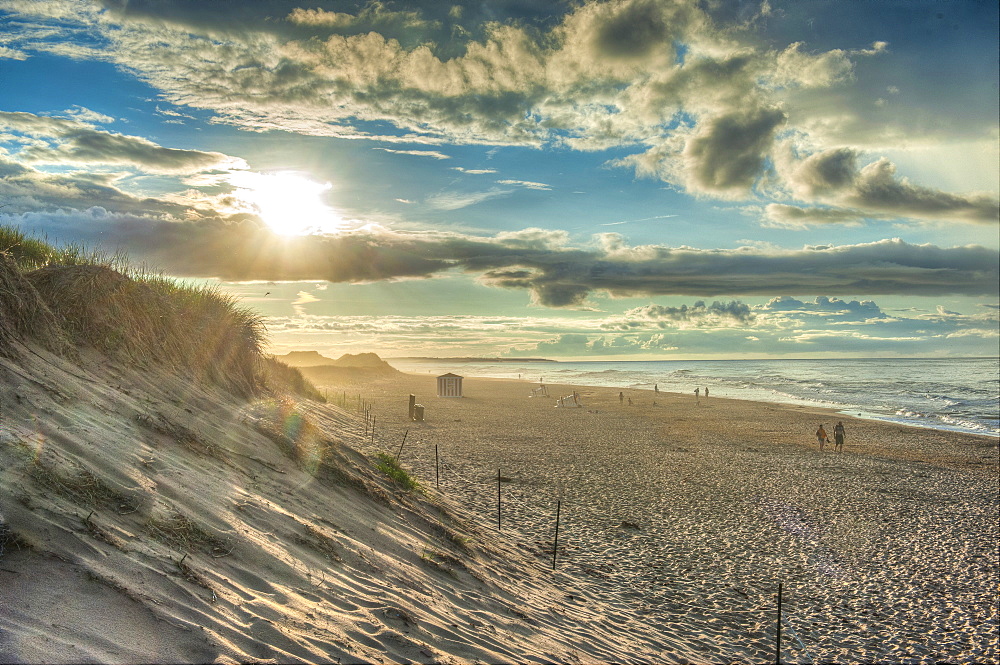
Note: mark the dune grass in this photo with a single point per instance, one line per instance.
(388, 464)
(102, 300)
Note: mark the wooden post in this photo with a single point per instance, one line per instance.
(777, 632)
(437, 469)
(401, 445)
(555, 541)
(413, 401)
(373, 430)
(499, 529)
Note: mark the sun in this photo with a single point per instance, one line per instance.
(290, 203)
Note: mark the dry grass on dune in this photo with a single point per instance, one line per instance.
(66, 297)
(23, 313)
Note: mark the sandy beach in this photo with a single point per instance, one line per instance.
(145, 518)
(685, 515)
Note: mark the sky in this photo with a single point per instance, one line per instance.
(627, 179)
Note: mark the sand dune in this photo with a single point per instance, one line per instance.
(150, 519)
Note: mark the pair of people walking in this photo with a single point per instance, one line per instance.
(838, 437)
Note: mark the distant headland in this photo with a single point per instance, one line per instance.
(472, 360)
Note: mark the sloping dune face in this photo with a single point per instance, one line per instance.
(149, 517)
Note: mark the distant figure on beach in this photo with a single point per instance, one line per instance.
(838, 436)
(821, 436)
(630, 400)
(656, 388)
(621, 397)
(697, 393)
(706, 392)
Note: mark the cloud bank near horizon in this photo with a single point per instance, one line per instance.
(781, 326)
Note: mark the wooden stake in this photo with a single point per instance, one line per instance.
(437, 469)
(777, 633)
(555, 541)
(401, 445)
(499, 529)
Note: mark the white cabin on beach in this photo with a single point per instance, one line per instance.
(449, 386)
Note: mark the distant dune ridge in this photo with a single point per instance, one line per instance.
(311, 358)
(168, 494)
(349, 369)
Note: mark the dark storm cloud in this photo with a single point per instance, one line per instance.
(878, 188)
(728, 154)
(786, 215)
(557, 275)
(831, 171)
(875, 191)
(699, 314)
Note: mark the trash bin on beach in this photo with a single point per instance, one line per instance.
(418, 412)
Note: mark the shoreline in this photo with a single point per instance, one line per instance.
(686, 515)
(791, 401)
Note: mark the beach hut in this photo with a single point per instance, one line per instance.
(449, 386)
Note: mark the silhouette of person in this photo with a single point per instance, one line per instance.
(821, 436)
(621, 397)
(630, 401)
(697, 393)
(838, 436)
(706, 392)
(656, 388)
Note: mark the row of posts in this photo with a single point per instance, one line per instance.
(416, 413)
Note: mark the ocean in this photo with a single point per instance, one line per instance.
(950, 394)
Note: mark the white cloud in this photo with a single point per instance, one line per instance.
(475, 171)
(531, 185)
(437, 155)
(451, 201)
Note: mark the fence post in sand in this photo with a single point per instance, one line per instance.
(777, 632)
(437, 469)
(413, 401)
(373, 430)
(555, 540)
(400, 452)
(499, 529)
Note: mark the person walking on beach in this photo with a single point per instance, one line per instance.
(821, 436)
(656, 389)
(621, 397)
(706, 392)
(697, 393)
(838, 436)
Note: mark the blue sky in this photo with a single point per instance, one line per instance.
(627, 178)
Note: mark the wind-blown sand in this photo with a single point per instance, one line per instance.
(146, 519)
(685, 516)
